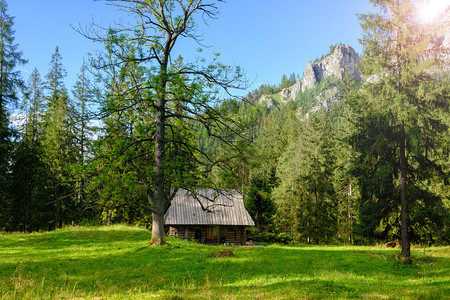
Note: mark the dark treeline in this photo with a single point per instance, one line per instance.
(374, 167)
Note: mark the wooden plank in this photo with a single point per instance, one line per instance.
(227, 210)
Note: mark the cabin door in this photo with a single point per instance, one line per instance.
(212, 233)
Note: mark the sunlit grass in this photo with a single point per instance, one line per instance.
(117, 263)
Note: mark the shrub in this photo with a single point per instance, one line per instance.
(270, 237)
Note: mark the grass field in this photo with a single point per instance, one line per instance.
(117, 263)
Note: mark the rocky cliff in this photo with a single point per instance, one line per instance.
(341, 58)
(344, 57)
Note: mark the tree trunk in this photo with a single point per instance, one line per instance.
(28, 207)
(403, 201)
(59, 213)
(158, 210)
(159, 196)
(350, 211)
(82, 142)
(158, 234)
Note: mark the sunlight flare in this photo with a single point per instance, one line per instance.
(430, 9)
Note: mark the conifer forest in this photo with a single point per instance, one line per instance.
(359, 156)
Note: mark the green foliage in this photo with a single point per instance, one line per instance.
(30, 207)
(156, 109)
(399, 116)
(317, 216)
(319, 177)
(270, 237)
(82, 131)
(117, 188)
(345, 185)
(10, 84)
(305, 99)
(286, 82)
(10, 58)
(259, 202)
(59, 151)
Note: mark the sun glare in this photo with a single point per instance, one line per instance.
(430, 9)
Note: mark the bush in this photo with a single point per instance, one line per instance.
(284, 238)
(270, 237)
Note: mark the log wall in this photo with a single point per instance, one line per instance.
(228, 234)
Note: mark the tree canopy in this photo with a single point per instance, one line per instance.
(344, 161)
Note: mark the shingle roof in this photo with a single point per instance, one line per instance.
(227, 208)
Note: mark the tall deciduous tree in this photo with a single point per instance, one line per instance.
(174, 94)
(401, 101)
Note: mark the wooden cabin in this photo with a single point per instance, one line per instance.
(209, 217)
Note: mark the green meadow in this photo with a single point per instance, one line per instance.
(117, 262)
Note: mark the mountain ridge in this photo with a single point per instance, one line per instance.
(341, 58)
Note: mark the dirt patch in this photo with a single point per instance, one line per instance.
(391, 244)
(223, 253)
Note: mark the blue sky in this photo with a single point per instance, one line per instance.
(267, 38)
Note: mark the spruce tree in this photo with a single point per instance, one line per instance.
(317, 214)
(260, 204)
(123, 148)
(33, 107)
(83, 97)
(27, 173)
(10, 57)
(344, 182)
(10, 82)
(57, 142)
(401, 102)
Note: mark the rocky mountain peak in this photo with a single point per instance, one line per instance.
(340, 58)
(343, 58)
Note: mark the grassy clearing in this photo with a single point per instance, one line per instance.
(117, 263)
